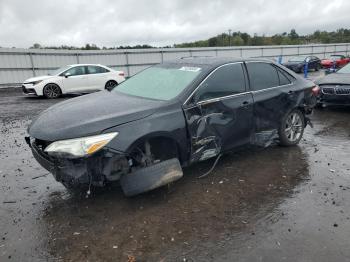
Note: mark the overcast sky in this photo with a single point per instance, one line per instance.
(159, 22)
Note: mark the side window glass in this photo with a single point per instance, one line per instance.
(92, 70)
(102, 70)
(283, 79)
(262, 75)
(96, 70)
(226, 80)
(75, 71)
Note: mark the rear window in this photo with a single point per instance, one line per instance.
(159, 82)
(262, 75)
(283, 76)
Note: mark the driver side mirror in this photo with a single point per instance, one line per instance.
(66, 75)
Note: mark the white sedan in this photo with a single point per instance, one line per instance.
(80, 78)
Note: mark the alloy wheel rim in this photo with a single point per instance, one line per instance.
(52, 91)
(294, 127)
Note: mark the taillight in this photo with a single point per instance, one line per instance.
(121, 73)
(316, 90)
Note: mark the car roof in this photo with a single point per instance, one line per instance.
(86, 65)
(212, 61)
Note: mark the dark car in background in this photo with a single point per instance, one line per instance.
(335, 88)
(168, 116)
(335, 60)
(297, 63)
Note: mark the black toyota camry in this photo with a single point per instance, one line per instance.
(168, 116)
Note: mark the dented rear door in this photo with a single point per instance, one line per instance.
(219, 114)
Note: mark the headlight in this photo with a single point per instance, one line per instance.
(36, 82)
(79, 147)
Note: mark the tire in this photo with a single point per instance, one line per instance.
(318, 67)
(110, 85)
(151, 177)
(291, 129)
(52, 91)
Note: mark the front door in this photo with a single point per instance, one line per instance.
(75, 79)
(219, 114)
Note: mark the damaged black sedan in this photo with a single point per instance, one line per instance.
(168, 116)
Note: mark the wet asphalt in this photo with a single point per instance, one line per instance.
(272, 204)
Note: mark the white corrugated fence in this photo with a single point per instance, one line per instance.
(16, 65)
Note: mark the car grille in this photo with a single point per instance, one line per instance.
(342, 91)
(336, 90)
(328, 90)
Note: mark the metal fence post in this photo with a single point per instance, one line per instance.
(32, 63)
(161, 56)
(77, 55)
(127, 63)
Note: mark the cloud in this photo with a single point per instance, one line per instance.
(158, 22)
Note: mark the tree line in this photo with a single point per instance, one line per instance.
(291, 38)
(236, 39)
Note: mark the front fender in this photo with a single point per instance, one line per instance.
(170, 124)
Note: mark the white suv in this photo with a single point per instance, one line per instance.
(80, 78)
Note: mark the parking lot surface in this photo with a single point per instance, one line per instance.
(262, 204)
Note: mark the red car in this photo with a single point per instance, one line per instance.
(340, 61)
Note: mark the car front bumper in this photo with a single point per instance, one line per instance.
(334, 96)
(28, 90)
(98, 169)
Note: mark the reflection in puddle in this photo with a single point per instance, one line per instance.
(242, 193)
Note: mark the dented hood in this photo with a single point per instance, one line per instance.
(90, 115)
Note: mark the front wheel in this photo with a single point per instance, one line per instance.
(291, 129)
(52, 91)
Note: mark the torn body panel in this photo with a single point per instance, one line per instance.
(215, 126)
(93, 170)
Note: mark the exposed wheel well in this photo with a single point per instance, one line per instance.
(154, 149)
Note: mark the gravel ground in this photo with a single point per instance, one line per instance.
(273, 204)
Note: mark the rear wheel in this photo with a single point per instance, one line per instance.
(110, 85)
(291, 129)
(52, 91)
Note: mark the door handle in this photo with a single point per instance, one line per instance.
(290, 92)
(245, 105)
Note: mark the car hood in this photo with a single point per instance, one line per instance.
(336, 78)
(90, 115)
(37, 78)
